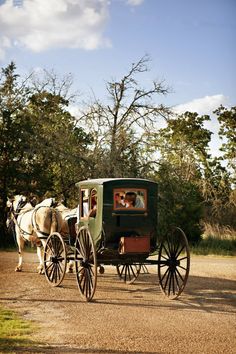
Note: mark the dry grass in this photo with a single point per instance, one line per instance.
(216, 240)
(218, 232)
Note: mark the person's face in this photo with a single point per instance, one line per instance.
(130, 199)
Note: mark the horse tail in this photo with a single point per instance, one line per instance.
(56, 222)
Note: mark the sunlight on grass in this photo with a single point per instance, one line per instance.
(14, 332)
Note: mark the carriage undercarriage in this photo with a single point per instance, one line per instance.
(172, 258)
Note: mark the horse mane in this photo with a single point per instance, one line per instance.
(48, 202)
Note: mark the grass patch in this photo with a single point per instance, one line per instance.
(14, 332)
(215, 246)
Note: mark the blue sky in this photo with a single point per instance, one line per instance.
(191, 44)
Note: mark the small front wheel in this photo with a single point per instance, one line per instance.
(54, 259)
(128, 272)
(173, 263)
(85, 264)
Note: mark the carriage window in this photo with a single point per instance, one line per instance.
(84, 203)
(88, 204)
(130, 198)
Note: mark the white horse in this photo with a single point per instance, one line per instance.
(33, 224)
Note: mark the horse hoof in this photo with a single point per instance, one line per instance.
(41, 271)
(18, 269)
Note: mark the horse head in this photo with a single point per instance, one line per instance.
(18, 203)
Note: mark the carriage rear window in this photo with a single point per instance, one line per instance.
(131, 198)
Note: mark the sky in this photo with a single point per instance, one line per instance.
(191, 44)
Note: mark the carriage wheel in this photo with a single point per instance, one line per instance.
(173, 263)
(85, 264)
(55, 259)
(128, 272)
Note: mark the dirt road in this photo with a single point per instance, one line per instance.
(127, 318)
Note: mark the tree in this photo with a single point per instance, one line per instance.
(184, 143)
(227, 120)
(227, 197)
(42, 148)
(15, 135)
(121, 125)
(180, 203)
(59, 150)
(183, 148)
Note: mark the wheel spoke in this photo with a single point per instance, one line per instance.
(177, 282)
(49, 266)
(165, 274)
(181, 259)
(180, 251)
(167, 279)
(182, 267)
(167, 251)
(179, 275)
(132, 270)
(128, 272)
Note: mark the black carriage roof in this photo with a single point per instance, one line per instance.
(101, 181)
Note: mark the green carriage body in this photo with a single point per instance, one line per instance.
(111, 223)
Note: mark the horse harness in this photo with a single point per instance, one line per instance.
(18, 212)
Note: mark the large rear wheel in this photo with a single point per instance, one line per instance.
(85, 264)
(54, 259)
(173, 263)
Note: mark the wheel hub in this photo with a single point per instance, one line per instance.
(84, 264)
(173, 263)
(54, 259)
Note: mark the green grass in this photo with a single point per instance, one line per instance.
(215, 246)
(14, 332)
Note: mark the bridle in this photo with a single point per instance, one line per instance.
(16, 213)
(20, 206)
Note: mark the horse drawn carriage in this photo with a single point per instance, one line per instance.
(117, 225)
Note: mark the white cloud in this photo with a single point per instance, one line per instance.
(134, 2)
(41, 24)
(204, 105)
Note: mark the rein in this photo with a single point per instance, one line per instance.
(15, 216)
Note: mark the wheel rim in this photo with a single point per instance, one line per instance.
(55, 259)
(128, 272)
(173, 263)
(85, 264)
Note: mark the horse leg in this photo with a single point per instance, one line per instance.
(70, 268)
(20, 243)
(40, 257)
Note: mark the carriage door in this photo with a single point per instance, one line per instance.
(92, 212)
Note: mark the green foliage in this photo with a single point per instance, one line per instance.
(184, 156)
(59, 148)
(179, 204)
(42, 150)
(227, 120)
